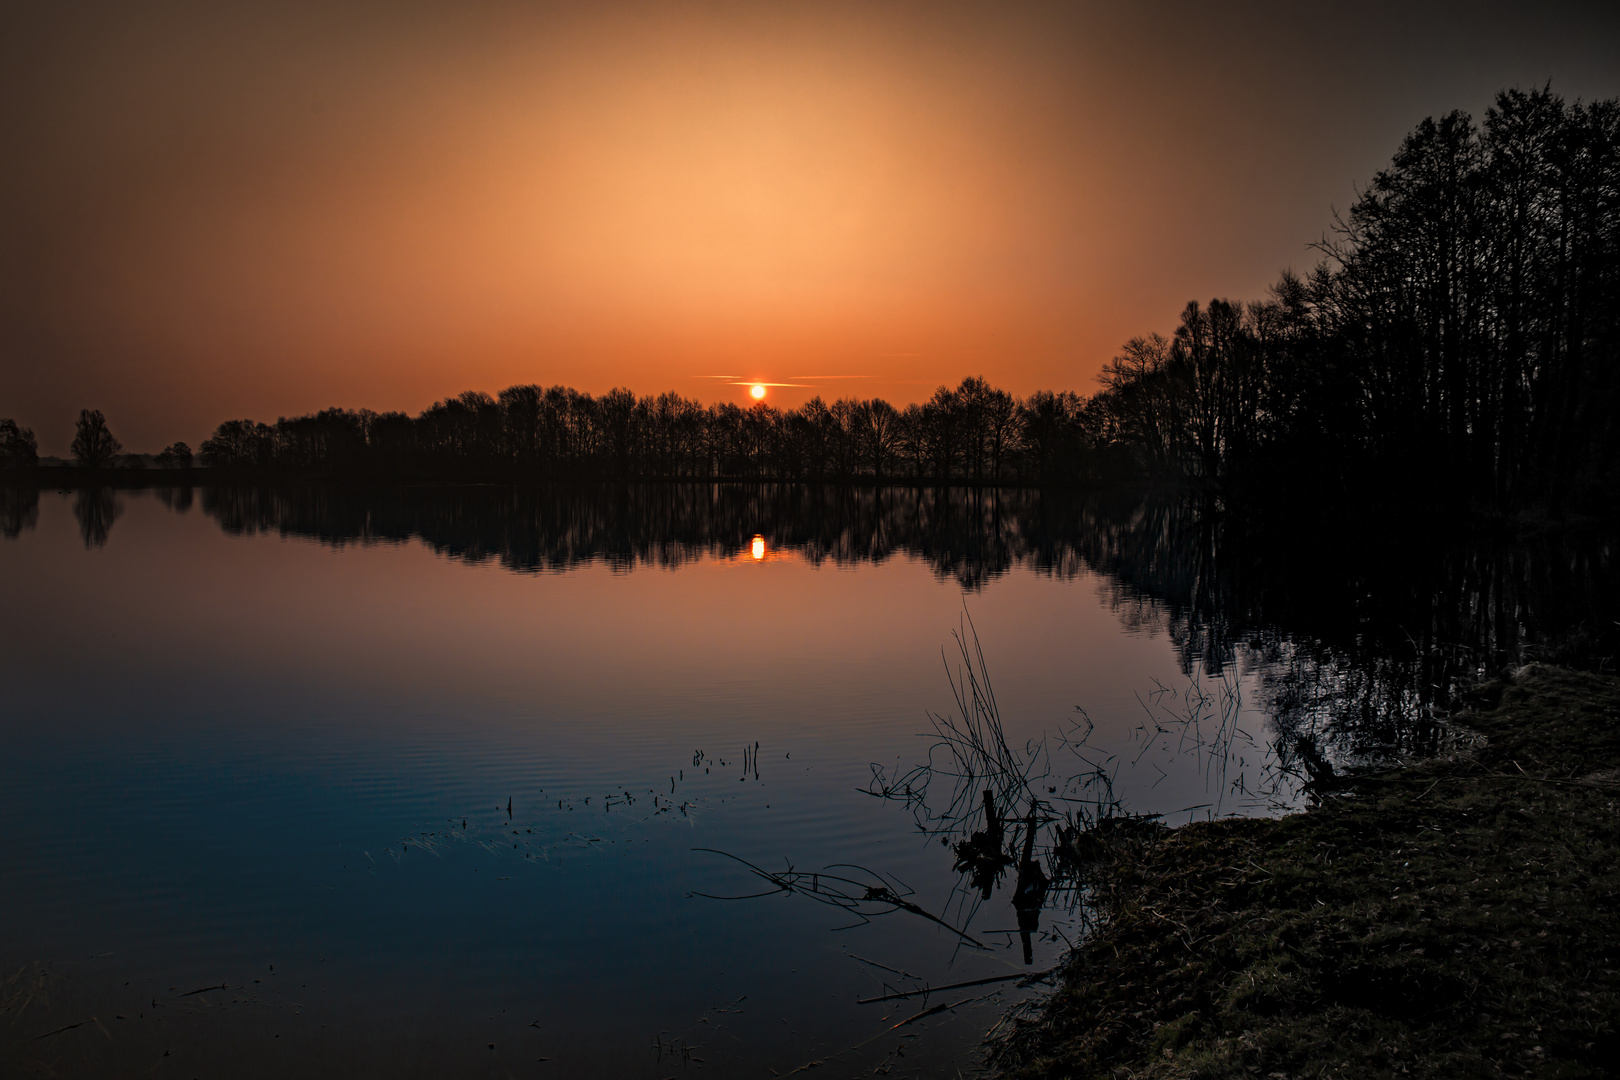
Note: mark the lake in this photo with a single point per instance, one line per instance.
(315, 781)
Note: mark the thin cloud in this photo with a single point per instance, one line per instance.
(830, 376)
(751, 382)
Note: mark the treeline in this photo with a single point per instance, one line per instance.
(1461, 334)
(974, 432)
(94, 447)
(1459, 340)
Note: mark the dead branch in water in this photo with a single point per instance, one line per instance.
(845, 893)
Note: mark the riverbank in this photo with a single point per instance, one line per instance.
(1456, 917)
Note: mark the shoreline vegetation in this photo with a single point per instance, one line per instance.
(1457, 916)
(1458, 341)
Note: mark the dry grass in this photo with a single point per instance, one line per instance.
(1459, 917)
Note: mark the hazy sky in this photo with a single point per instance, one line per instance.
(217, 209)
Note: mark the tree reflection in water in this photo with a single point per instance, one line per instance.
(19, 509)
(96, 508)
(1361, 627)
(1358, 632)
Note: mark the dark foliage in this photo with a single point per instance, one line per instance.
(1462, 335)
(1476, 299)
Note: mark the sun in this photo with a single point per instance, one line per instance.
(758, 391)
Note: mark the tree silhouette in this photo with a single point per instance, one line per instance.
(93, 445)
(175, 456)
(878, 427)
(17, 445)
(1460, 339)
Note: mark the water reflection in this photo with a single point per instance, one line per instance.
(178, 499)
(333, 742)
(1363, 630)
(19, 510)
(997, 806)
(96, 508)
(971, 535)
(1026, 810)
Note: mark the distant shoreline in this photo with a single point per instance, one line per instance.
(1256, 496)
(74, 476)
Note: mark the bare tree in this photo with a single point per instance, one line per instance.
(879, 426)
(1001, 424)
(93, 445)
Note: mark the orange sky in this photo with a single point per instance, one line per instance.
(271, 208)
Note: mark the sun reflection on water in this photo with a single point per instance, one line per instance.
(757, 548)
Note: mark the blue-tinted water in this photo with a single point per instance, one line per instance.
(279, 763)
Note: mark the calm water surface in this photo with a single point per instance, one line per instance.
(415, 789)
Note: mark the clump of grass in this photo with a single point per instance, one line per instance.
(1458, 917)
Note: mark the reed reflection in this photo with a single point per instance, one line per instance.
(996, 806)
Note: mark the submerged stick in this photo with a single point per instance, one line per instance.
(826, 889)
(204, 990)
(1030, 975)
(931, 1012)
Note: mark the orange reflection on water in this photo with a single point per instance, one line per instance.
(757, 548)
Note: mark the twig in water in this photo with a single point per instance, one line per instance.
(1031, 976)
(842, 892)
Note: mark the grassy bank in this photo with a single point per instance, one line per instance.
(1458, 917)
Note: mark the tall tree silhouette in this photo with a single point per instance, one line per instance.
(94, 445)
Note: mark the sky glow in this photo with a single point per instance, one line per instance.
(269, 209)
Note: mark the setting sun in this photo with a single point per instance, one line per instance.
(757, 548)
(758, 391)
